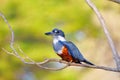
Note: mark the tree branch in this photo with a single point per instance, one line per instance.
(28, 60)
(116, 1)
(104, 26)
(9, 26)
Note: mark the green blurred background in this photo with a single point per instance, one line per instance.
(30, 19)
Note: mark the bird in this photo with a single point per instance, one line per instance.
(67, 50)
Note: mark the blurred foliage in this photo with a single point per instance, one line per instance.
(30, 19)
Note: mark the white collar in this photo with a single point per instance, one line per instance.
(58, 38)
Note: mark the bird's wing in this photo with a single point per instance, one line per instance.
(73, 50)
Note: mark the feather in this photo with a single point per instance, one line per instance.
(73, 50)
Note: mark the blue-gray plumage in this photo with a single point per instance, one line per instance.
(73, 50)
(66, 49)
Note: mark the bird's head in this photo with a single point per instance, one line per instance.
(56, 32)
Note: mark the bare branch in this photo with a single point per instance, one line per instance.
(39, 64)
(16, 54)
(12, 32)
(110, 41)
(116, 1)
(28, 60)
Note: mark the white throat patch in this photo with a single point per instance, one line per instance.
(58, 38)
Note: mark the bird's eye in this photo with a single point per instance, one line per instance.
(56, 31)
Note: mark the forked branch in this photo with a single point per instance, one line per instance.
(28, 60)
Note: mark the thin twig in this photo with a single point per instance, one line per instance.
(9, 26)
(116, 1)
(103, 25)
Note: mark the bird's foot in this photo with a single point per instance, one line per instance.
(60, 60)
(69, 63)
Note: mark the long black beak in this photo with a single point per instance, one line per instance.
(48, 33)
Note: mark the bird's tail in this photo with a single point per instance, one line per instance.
(87, 62)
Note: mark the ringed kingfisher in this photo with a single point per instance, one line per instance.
(66, 49)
